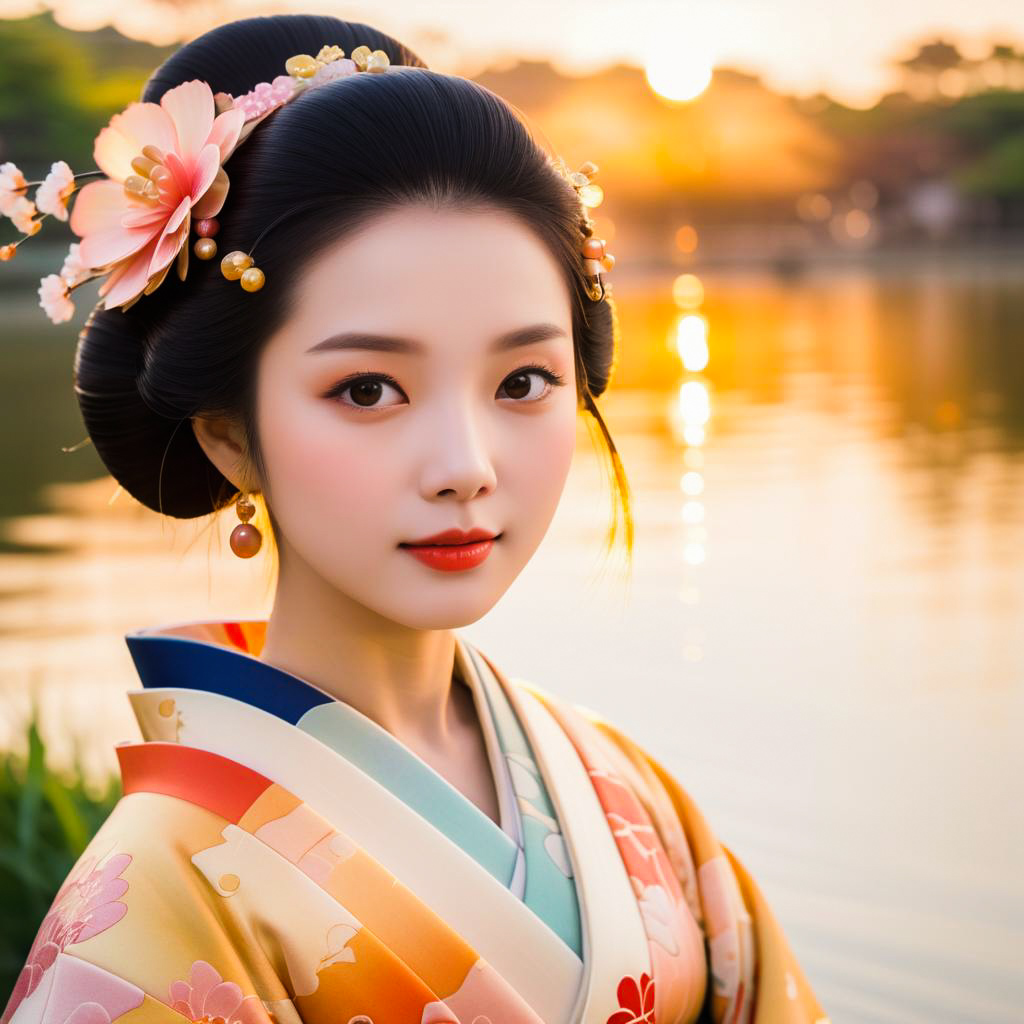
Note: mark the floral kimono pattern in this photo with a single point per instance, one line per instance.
(277, 856)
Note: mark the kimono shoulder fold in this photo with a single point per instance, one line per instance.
(277, 857)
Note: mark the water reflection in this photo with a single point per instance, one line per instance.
(692, 341)
(821, 635)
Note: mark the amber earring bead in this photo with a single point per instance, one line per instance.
(245, 538)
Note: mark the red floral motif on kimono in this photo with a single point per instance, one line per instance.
(87, 903)
(207, 997)
(636, 1001)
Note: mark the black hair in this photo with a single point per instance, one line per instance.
(324, 163)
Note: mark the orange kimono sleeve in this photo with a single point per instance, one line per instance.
(747, 949)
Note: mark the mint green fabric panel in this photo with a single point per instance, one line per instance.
(412, 780)
(548, 890)
(550, 887)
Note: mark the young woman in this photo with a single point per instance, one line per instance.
(346, 813)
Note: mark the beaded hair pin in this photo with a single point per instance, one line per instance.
(162, 174)
(595, 259)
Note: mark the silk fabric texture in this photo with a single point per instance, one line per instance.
(278, 856)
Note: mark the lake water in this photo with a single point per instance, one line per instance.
(821, 636)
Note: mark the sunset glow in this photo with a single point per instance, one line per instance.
(845, 50)
(681, 71)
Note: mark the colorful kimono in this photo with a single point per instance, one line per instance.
(278, 856)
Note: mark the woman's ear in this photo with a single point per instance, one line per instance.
(223, 440)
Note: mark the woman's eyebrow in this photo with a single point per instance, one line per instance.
(388, 343)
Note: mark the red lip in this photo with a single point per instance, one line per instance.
(452, 537)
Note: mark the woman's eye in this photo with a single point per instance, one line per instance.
(523, 384)
(365, 392)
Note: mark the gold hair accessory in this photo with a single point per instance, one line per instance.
(595, 260)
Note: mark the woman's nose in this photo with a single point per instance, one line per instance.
(458, 461)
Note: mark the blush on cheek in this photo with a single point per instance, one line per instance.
(334, 503)
(318, 462)
(551, 463)
(554, 456)
(539, 476)
(320, 469)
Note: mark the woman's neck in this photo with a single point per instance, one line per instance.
(398, 676)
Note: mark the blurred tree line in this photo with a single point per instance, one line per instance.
(58, 88)
(954, 118)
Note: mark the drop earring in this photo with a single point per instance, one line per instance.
(245, 538)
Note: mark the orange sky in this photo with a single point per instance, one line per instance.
(797, 46)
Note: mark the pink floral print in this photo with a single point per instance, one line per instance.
(88, 903)
(207, 998)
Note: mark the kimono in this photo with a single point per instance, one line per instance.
(277, 856)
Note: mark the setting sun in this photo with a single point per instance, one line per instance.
(680, 72)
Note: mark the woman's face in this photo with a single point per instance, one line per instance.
(425, 382)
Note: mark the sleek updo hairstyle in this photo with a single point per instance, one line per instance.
(325, 164)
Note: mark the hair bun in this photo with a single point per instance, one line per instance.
(156, 458)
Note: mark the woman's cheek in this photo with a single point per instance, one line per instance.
(326, 477)
(540, 470)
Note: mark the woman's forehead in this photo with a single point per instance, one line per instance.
(428, 273)
(419, 242)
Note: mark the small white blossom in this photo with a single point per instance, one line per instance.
(22, 211)
(53, 194)
(11, 180)
(54, 298)
(74, 270)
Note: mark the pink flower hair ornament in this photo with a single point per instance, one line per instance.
(164, 174)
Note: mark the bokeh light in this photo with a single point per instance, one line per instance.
(686, 238)
(692, 341)
(688, 291)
